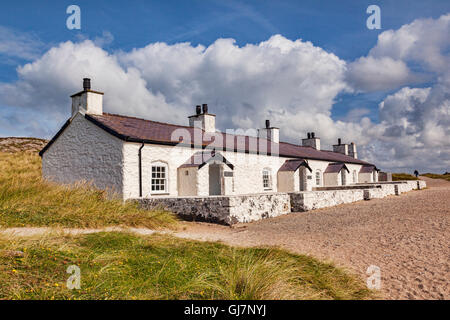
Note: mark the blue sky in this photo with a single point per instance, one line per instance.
(337, 27)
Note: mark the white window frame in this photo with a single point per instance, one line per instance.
(267, 178)
(355, 177)
(156, 178)
(318, 177)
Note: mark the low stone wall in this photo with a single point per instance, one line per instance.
(327, 197)
(310, 200)
(224, 209)
(252, 207)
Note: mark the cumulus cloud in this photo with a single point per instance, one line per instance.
(373, 74)
(414, 129)
(424, 43)
(46, 84)
(280, 79)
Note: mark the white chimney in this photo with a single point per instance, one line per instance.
(311, 141)
(203, 120)
(87, 101)
(340, 147)
(269, 133)
(352, 151)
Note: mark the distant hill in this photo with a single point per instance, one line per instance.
(14, 144)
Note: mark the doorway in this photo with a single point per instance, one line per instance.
(215, 181)
(302, 177)
(343, 178)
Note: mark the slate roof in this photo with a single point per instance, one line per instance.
(294, 164)
(199, 159)
(367, 169)
(335, 168)
(154, 132)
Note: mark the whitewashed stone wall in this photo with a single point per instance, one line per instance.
(84, 152)
(305, 201)
(224, 209)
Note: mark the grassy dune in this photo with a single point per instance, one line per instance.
(437, 176)
(27, 200)
(124, 266)
(403, 176)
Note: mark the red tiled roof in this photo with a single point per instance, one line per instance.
(141, 130)
(335, 168)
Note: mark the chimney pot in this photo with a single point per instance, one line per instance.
(86, 84)
(205, 108)
(198, 109)
(267, 124)
(312, 135)
(339, 141)
(308, 135)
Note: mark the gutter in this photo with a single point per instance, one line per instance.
(140, 169)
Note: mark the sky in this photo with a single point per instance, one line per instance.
(305, 65)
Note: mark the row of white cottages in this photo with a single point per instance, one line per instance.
(142, 158)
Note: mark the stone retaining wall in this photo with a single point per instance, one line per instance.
(252, 207)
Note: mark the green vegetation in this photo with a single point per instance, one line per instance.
(445, 176)
(403, 176)
(27, 200)
(118, 265)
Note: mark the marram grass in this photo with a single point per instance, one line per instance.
(27, 200)
(117, 265)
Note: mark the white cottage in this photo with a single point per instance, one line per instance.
(139, 158)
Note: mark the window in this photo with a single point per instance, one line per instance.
(318, 178)
(267, 179)
(354, 177)
(159, 178)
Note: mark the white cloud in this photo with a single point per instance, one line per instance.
(414, 129)
(47, 83)
(423, 43)
(373, 74)
(16, 44)
(279, 79)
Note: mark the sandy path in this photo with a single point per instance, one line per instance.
(406, 236)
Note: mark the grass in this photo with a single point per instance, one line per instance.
(118, 265)
(403, 176)
(445, 176)
(27, 200)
